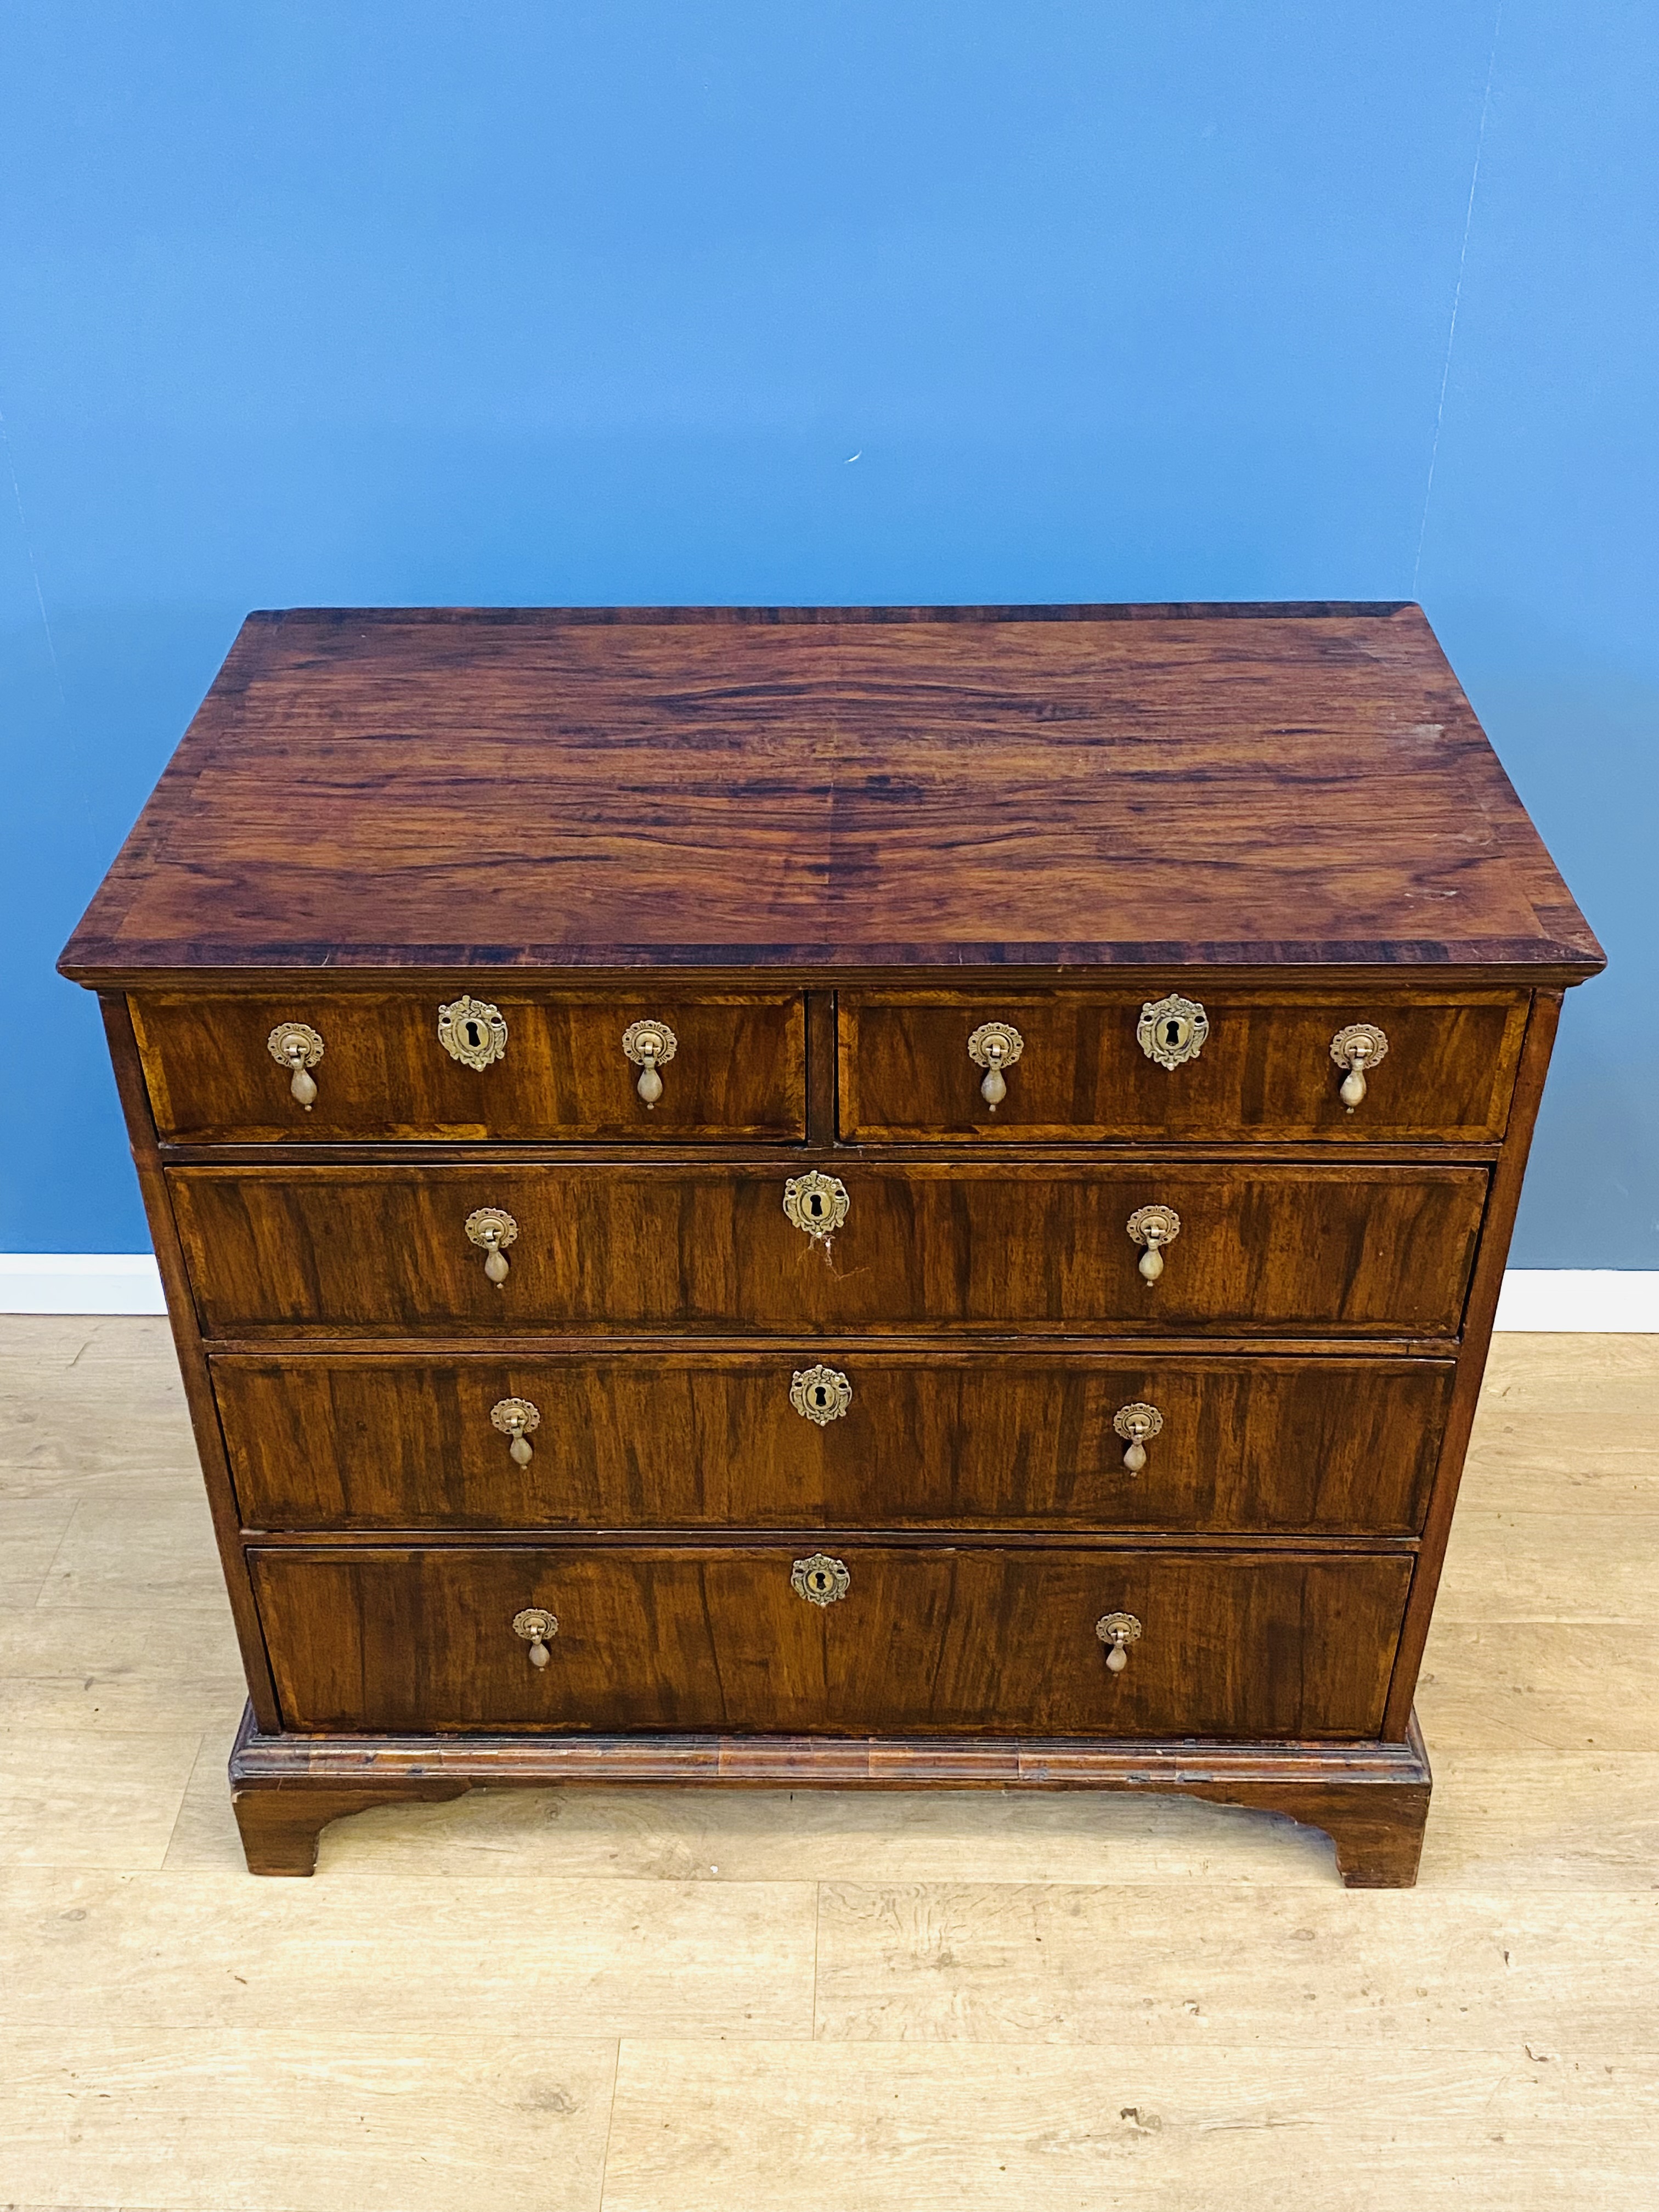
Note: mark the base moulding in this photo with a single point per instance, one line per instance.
(1371, 1799)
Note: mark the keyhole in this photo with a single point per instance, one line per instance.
(474, 1036)
(820, 1581)
(820, 1397)
(815, 1205)
(1172, 1032)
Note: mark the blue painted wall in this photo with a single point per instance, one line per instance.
(409, 302)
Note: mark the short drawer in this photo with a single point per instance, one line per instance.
(475, 1068)
(987, 1641)
(826, 1436)
(1355, 1249)
(1110, 1064)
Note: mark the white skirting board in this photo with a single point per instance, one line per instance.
(1610, 1301)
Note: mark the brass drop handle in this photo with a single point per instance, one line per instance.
(994, 1046)
(1117, 1632)
(1154, 1227)
(517, 1417)
(494, 1230)
(1357, 1048)
(650, 1046)
(298, 1047)
(538, 1628)
(1135, 1423)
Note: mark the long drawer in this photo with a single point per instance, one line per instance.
(1341, 1250)
(997, 1641)
(1106, 1064)
(822, 1435)
(531, 1067)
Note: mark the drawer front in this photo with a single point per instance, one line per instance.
(878, 1439)
(1354, 1249)
(737, 1070)
(1264, 1069)
(986, 1641)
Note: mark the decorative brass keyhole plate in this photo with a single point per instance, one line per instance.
(816, 1203)
(1172, 1030)
(472, 1032)
(820, 1580)
(820, 1395)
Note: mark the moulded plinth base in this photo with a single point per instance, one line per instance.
(1371, 1799)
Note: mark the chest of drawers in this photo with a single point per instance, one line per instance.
(892, 1198)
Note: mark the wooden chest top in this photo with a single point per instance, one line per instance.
(1051, 787)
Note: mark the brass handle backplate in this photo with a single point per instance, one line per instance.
(816, 1203)
(994, 1046)
(472, 1032)
(820, 1580)
(1153, 1227)
(294, 1046)
(820, 1395)
(1357, 1048)
(1117, 1631)
(1172, 1030)
(494, 1230)
(1136, 1423)
(537, 1627)
(517, 1417)
(649, 1045)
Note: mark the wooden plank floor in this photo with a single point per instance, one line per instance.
(683, 2002)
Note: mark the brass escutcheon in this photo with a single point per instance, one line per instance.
(994, 1046)
(1172, 1030)
(820, 1395)
(517, 1419)
(816, 1203)
(1153, 1227)
(472, 1032)
(1357, 1048)
(494, 1230)
(1136, 1423)
(298, 1047)
(649, 1045)
(820, 1580)
(1117, 1631)
(537, 1627)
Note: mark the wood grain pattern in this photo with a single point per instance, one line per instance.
(738, 1071)
(660, 1440)
(187, 1346)
(1250, 1644)
(561, 789)
(1354, 1250)
(1265, 1070)
(1484, 1290)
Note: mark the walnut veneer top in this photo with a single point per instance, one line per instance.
(1077, 786)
